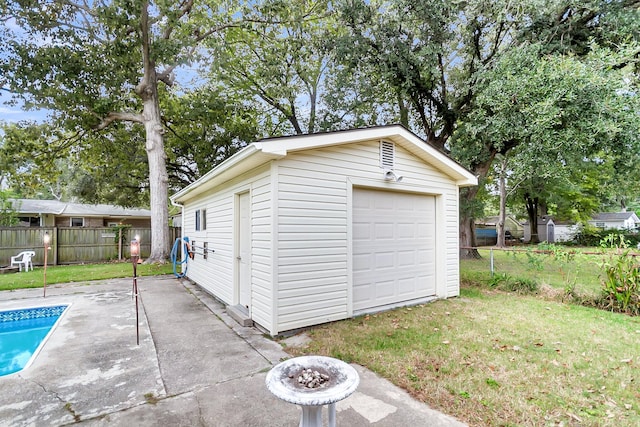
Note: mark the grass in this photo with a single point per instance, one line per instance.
(493, 358)
(560, 269)
(78, 273)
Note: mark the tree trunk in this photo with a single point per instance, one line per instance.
(467, 226)
(158, 178)
(503, 204)
(467, 211)
(532, 213)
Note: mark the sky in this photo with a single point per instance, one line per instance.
(15, 113)
(12, 114)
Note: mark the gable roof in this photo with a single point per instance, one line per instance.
(56, 207)
(268, 149)
(616, 216)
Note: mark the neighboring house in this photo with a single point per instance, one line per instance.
(54, 213)
(316, 228)
(546, 230)
(616, 220)
(565, 231)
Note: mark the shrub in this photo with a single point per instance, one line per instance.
(593, 236)
(521, 286)
(505, 282)
(621, 286)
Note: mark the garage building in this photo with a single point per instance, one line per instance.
(316, 228)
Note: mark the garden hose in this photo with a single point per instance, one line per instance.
(185, 259)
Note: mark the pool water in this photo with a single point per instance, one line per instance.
(22, 333)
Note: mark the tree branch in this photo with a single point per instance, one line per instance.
(113, 117)
(166, 76)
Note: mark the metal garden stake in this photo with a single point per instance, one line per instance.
(135, 255)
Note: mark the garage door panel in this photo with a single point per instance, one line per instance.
(406, 231)
(406, 258)
(362, 229)
(426, 256)
(385, 260)
(385, 289)
(383, 231)
(362, 262)
(393, 248)
(407, 286)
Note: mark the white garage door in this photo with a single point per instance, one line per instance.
(393, 248)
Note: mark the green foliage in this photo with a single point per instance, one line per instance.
(208, 126)
(120, 230)
(621, 285)
(499, 279)
(567, 122)
(8, 214)
(590, 235)
(282, 60)
(534, 260)
(519, 285)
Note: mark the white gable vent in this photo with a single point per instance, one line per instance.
(387, 154)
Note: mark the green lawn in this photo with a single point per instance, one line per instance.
(78, 273)
(494, 358)
(560, 269)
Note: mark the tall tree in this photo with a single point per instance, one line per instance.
(278, 59)
(433, 56)
(208, 125)
(97, 63)
(560, 111)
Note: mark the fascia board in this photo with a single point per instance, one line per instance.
(243, 161)
(435, 157)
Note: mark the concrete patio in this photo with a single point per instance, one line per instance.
(194, 366)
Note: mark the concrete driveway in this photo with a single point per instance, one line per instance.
(194, 366)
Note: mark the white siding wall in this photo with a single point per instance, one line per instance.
(452, 243)
(313, 222)
(262, 304)
(216, 274)
(312, 242)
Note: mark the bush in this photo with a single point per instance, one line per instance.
(621, 287)
(593, 236)
(521, 286)
(505, 282)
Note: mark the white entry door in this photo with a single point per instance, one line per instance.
(393, 248)
(244, 251)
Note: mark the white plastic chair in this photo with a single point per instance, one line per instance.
(23, 259)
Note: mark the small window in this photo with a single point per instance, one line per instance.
(77, 222)
(201, 219)
(600, 224)
(112, 224)
(28, 221)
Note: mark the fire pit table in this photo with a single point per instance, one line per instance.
(312, 382)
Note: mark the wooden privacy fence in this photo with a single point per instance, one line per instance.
(75, 245)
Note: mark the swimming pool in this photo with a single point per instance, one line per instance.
(23, 333)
